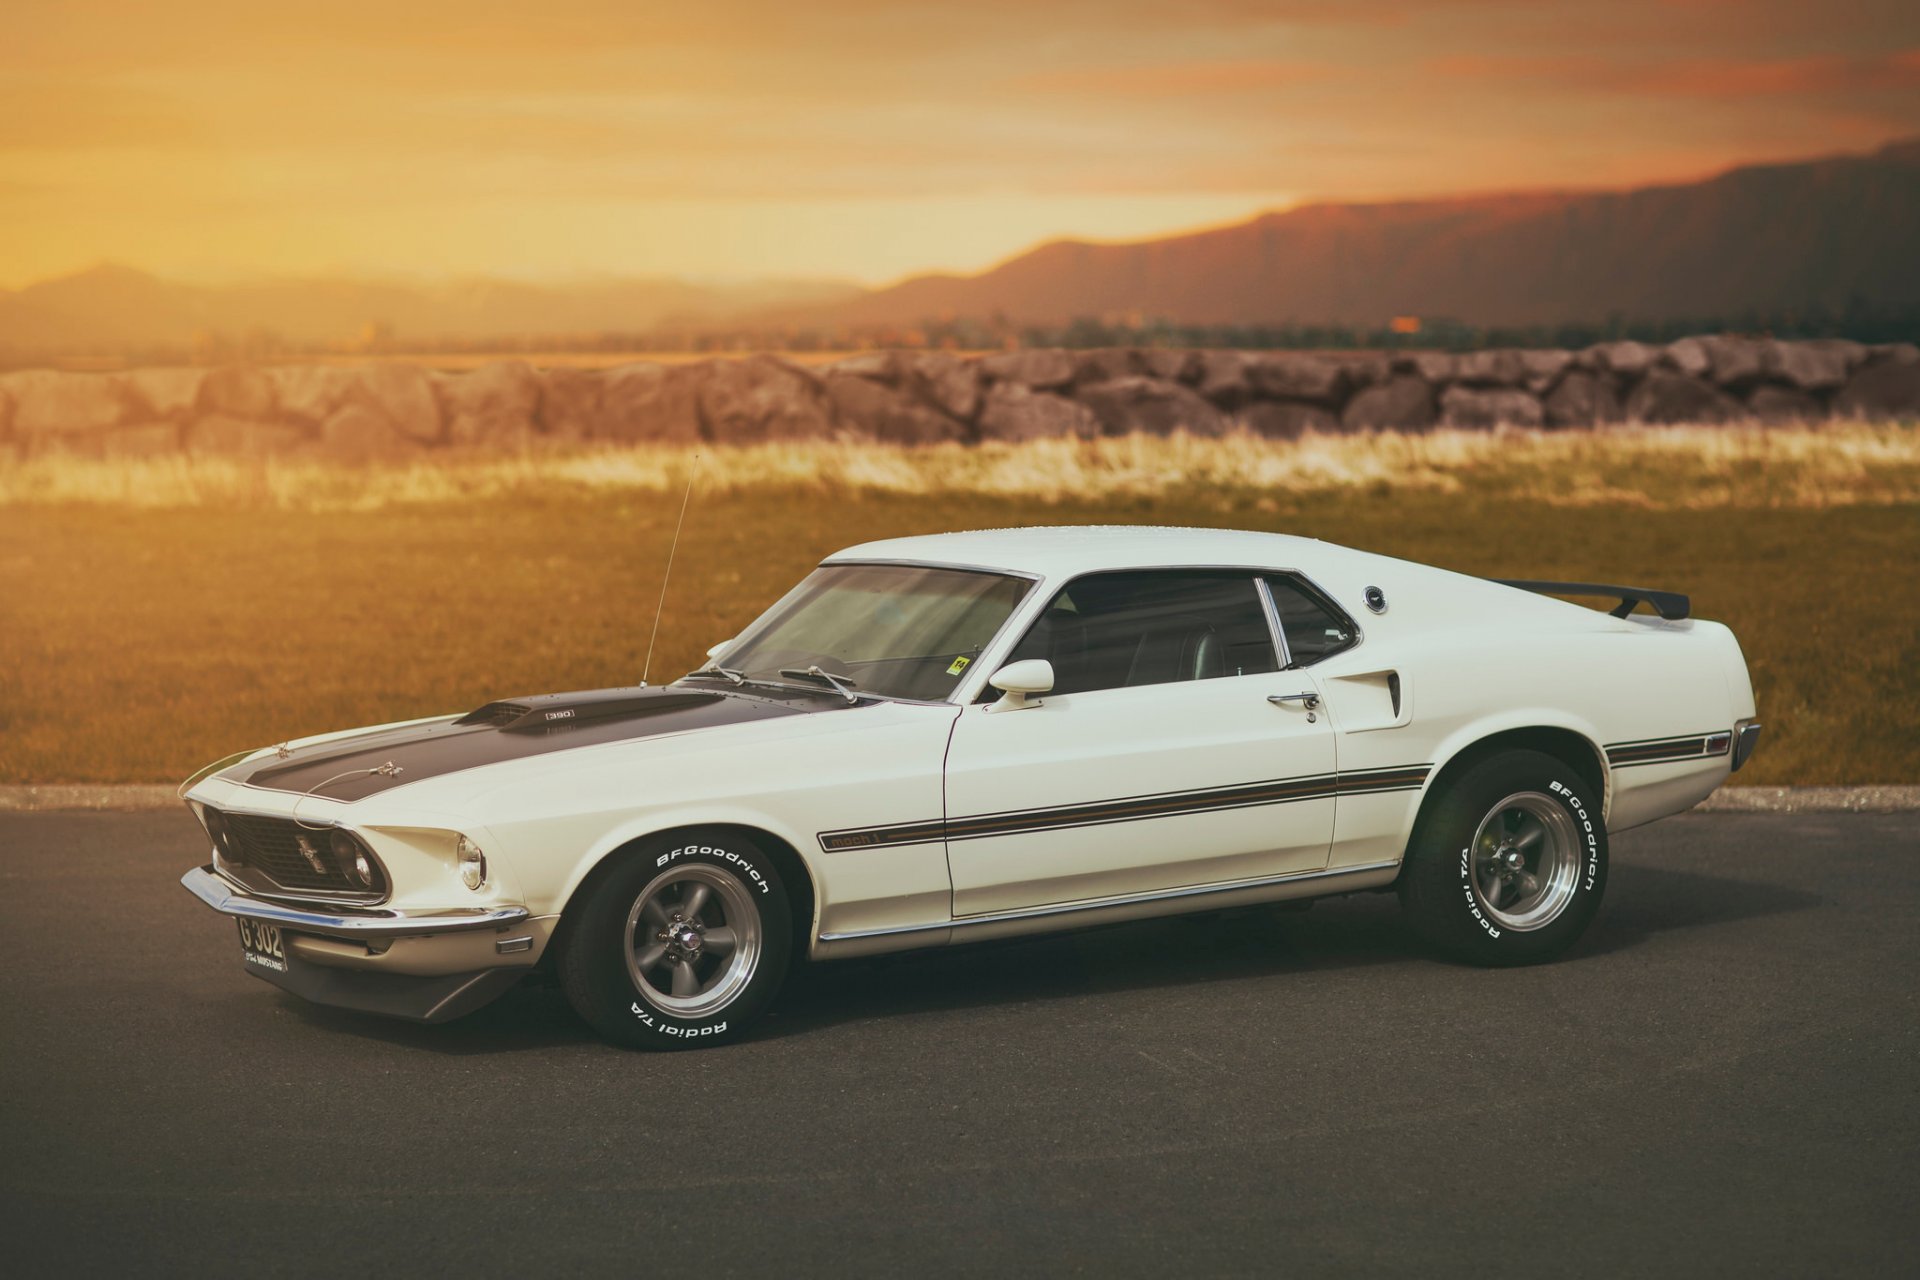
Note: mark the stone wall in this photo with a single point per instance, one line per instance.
(390, 410)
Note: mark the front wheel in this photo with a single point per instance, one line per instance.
(685, 942)
(1509, 864)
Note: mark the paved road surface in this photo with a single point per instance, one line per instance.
(1721, 1080)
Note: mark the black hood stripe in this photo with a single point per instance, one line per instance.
(354, 768)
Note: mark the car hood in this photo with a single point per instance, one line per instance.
(354, 766)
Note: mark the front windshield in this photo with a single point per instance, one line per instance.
(901, 631)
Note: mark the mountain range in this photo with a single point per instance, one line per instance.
(1830, 233)
(1838, 234)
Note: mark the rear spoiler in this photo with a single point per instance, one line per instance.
(1670, 605)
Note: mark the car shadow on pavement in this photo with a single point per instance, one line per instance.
(1365, 930)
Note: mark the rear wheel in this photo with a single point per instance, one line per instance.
(683, 943)
(1509, 864)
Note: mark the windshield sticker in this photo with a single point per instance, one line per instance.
(959, 665)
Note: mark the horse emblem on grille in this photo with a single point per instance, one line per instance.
(312, 855)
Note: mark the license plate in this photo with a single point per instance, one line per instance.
(260, 945)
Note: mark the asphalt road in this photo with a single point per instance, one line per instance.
(1722, 1079)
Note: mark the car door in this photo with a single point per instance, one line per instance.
(1171, 752)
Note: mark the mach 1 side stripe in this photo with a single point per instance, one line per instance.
(1130, 808)
(1694, 746)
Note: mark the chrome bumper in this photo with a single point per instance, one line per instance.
(1745, 738)
(221, 895)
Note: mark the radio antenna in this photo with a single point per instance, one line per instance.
(666, 577)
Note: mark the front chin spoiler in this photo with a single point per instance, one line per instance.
(391, 995)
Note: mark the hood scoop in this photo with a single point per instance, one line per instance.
(561, 711)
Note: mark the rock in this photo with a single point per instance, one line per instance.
(361, 431)
(1888, 387)
(645, 401)
(1223, 378)
(1894, 353)
(495, 405)
(569, 407)
(237, 392)
(1628, 359)
(1435, 366)
(163, 394)
(1367, 371)
(47, 403)
(403, 394)
(878, 365)
(874, 409)
(1474, 407)
(1664, 396)
(1820, 365)
(1169, 364)
(1105, 364)
(1285, 420)
(948, 383)
(142, 440)
(1152, 407)
(1013, 412)
(1498, 368)
(1403, 403)
(1542, 369)
(1286, 375)
(1784, 404)
(762, 398)
(1583, 398)
(1735, 362)
(219, 433)
(311, 393)
(1689, 356)
(1040, 370)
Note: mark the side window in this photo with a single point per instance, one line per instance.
(1314, 628)
(1114, 630)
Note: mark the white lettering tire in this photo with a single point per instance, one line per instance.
(1508, 864)
(684, 941)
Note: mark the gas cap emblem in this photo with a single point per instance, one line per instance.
(1376, 599)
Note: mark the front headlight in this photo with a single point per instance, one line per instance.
(473, 863)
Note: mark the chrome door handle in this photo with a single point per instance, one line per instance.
(1308, 700)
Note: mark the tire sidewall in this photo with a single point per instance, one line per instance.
(594, 968)
(1455, 914)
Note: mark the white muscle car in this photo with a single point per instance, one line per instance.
(942, 739)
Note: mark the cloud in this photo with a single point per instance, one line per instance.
(1185, 79)
(1702, 78)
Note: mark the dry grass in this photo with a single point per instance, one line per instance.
(155, 615)
(1693, 468)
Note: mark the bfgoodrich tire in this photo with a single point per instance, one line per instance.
(1509, 863)
(684, 942)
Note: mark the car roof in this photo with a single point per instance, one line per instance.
(1057, 551)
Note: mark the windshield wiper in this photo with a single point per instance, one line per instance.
(841, 683)
(717, 670)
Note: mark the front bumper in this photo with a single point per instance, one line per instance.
(425, 966)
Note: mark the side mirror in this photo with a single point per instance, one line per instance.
(713, 654)
(1017, 681)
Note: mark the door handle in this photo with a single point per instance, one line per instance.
(1310, 700)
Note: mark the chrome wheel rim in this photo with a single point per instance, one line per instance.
(693, 940)
(1525, 861)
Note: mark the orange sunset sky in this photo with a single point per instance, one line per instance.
(861, 139)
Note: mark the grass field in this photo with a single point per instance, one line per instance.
(156, 615)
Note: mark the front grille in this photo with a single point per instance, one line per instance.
(272, 846)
